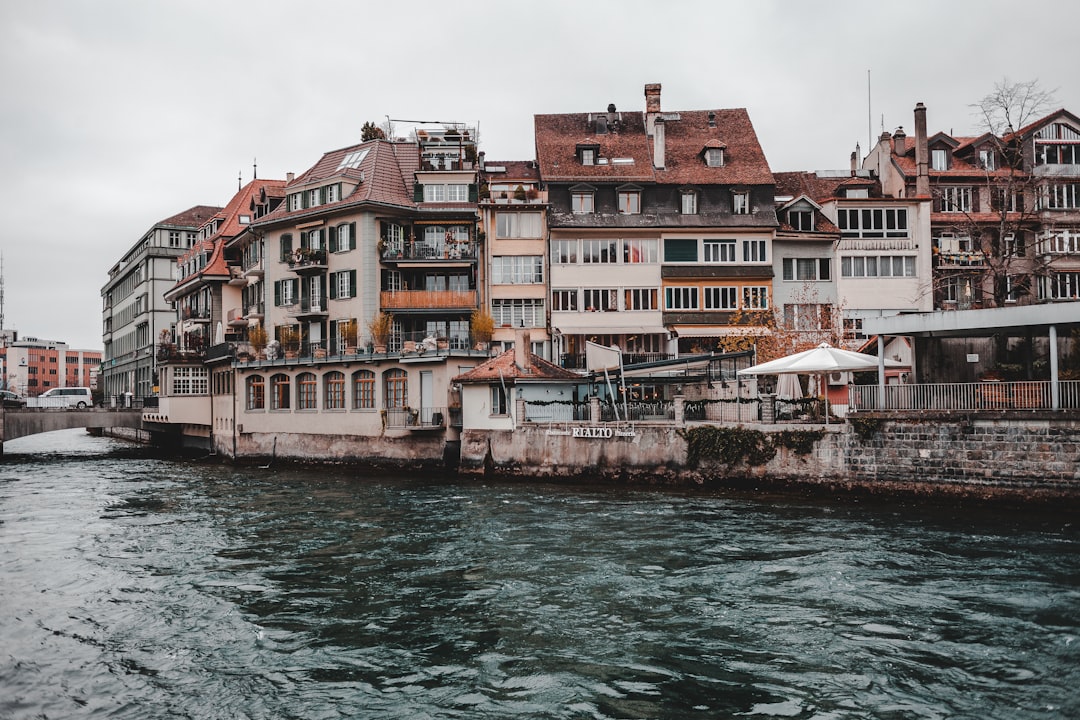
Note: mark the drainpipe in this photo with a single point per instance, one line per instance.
(881, 371)
(1055, 389)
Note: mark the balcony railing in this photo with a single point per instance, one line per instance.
(416, 418)
(255, 310)
(974, 258)
(308, 308)
(424, 251)
(427, 299)
(1027, 395)
(557, 413)
(236, 318)
(576, 361)
(305, 260)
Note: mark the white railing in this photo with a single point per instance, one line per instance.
(1027, 395)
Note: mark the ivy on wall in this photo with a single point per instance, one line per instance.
(731, 445)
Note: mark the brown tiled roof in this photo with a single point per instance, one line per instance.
(1032, 126)
(503, 366)
(514, 170)
(193, 217)
(558, 136)
(818, 188)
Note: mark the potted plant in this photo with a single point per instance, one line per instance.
(380, 327)
(519, 193)
(482, 326)
(348, 335)
(258, 338)
(290, 341)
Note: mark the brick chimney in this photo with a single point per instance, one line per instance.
(522, 343)
(289, 177)
(899, 139)
(922, 153)
(652, 98)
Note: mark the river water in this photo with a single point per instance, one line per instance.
(138, 587)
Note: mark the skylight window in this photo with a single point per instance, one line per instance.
(353, 159)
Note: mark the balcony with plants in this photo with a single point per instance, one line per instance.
(307, 261)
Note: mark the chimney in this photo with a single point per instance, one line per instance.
(899, 141)
(522, 342)
(658, 143)
(854, 162)
(289, 177)
(480, 159)
(652, 105)
(922, 153)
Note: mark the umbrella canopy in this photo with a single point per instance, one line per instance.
(822, 359)
(788, 387)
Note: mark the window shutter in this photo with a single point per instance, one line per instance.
(333, 286)
(975, 199)
(322, 196)
(473, 194)
(418, 192)
(352, 236)
(277, 293)
(352, 283)
(286, 247)
(937, 202)
(331, 239)
(295, 294)
(304, 239)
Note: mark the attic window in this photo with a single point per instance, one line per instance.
(587, 154)
(986, 159)
(244, 219)
(714, 157)
(939, 160)
(353, 159)
(801, 220)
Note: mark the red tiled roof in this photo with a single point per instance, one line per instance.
(503, 366)
(193, 217)
(558, 136)
(816, 187)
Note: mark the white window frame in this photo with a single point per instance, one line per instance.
(755, 297)
(582, 203)
(720, 297)
(566, 300)
(518, 225)
(755, 250)
(719, 251)
(681, 297)
(688, 202)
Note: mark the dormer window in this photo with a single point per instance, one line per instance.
(939, 160)
(587, 154)
(857, 193)
(986, 159)
(714, 157)
(629, 197)
(581, 199)
(801, 220)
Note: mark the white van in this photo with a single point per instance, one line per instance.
(78, 397)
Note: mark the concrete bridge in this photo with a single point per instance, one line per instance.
(20, 422)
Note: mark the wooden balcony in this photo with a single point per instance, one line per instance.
(427, 299)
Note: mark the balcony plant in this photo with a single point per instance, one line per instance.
(380, 327)
(348, 336)
(482, 325)
(258, 338)
(290, 341)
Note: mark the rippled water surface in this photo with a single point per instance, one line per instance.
(135, 587)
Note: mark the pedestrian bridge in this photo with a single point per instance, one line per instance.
(20, 422)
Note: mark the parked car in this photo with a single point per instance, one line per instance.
(79, 397)
(12, 400)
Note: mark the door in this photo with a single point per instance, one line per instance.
(427, 393)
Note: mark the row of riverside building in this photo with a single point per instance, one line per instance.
(659, 232)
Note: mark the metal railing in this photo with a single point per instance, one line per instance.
(1024, 395)
(427, 417)
(556, 412)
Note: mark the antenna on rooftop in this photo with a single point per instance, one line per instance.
(239, 179)
(3, 335)
(255, 168)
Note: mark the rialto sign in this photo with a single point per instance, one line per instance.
(600, 433)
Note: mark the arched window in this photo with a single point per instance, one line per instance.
(363, 390)
(279, 392)
(334, 390)
(397, 389)
(307, 391)
(256, 392)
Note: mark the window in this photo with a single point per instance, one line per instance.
(854, 266)
(808, 316)
(680, 250)
(342, 284)
(588, 156)
(517, 225)
(363, 390)
(499, 406)
(314, 197)
(581, 202)
(1062, 241)
(1060, 286)
(754, 250)
(939, 160)
(457, 192)
(641, 299)
(807, 269)
(189, 381)
(595, 251)
(306, 391)
(629, 202)
(872, 222)
(517, 269)
(564, 252)
(714, 157)
(295, 202)
(956, 199)
(342, 238)
(600, 299)
(1061, 197)
(279, 392)
(286, 247)
(740, 203)
(720, 297)
(518, 312)
(564, 300)
(986, 159)
(397, 389)
(680, 298)
(641, 251)
(353, 159)
(719, 251)
(1013, 289)
(756, 298)
(801, 220)
(956, 290)
(256, 392)
(174, 238)
(688, 202)
(285, 292)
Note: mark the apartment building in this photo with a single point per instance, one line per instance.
(134, 309)
(32, 366)
(660, 227)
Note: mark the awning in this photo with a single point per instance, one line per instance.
(691, 331)
(611, 330)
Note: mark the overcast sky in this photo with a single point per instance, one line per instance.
(116, 114)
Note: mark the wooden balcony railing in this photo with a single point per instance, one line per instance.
(427, 299)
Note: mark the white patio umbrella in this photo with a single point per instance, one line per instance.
(818, 361)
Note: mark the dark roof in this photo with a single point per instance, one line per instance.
(525, 170)
(193, 217)
(503, 366)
